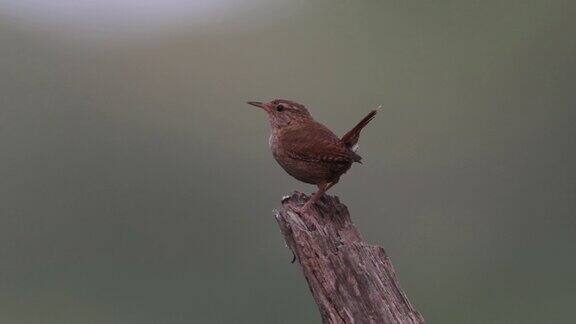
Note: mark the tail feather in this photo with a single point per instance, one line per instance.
(351, 138)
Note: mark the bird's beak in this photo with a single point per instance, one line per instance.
(257, 104)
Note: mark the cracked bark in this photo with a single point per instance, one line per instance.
(350, 280)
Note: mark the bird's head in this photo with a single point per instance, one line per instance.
(282, 113)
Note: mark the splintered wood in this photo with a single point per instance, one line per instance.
(350, 280)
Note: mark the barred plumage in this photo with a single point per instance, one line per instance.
(308, 150)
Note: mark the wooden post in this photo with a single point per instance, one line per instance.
(350, 280)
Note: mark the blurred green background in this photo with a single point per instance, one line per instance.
(136, 186)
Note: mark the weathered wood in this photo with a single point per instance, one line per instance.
(350, 280)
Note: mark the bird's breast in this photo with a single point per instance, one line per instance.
(273, 141)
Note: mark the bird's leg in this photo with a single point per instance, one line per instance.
(331, 184)
(321, 190)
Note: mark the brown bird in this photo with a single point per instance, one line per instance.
(308, 150)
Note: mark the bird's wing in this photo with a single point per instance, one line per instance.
(315, 143)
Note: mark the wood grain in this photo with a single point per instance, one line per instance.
(350, 280)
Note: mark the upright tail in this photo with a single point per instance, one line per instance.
(351, 138)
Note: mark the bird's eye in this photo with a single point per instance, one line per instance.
(279, 108)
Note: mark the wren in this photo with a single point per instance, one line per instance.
(308, 150)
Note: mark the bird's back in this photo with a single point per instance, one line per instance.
(310, 152)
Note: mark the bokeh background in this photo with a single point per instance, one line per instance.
(137, 187)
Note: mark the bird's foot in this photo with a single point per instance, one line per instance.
(298, 209)
(307, 207)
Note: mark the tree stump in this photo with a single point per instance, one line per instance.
(350, 280)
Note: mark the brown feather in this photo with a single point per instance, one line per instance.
(306, 149)
(351, 138)
(314, 143)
